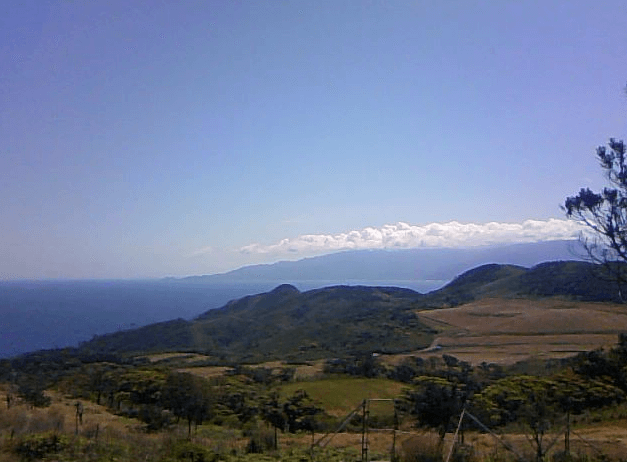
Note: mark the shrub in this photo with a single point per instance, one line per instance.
(424, 448)
(186, 451)
(261, 440)
(33, 447)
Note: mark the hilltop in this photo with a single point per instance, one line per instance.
(287, 351)
(62, 313)
(288, 324)
(576, 280)
(291, 325)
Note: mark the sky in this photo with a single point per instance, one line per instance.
(171, 138)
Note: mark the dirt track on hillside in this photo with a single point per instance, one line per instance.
(506, 331)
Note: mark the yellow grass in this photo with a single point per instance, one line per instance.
(185, 357)
(206, 372)
(61, 415)
(608, 438)
(490, 316)
(303, 371)
(340, 396)
(509, 330)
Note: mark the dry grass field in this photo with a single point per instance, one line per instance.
(505, 331)
(500, 331)
(588, 443)
(100, 428)
(302, 371)
(184, 357)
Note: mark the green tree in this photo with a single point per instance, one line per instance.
(604, 213)
(526, 399)
(540, 402)
(188, 397)
(602, 365)
(241, 403)
(436, 401)
(31, 389)
(272, 412)
(99, 380)
(300, 412)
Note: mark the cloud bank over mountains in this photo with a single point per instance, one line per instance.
(403, 236)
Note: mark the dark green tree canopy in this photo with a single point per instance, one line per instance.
(605, 213)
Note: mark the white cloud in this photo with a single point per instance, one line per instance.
(200, 252)
(403, 236)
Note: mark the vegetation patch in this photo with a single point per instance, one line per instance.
(255, 398)
(339, 396)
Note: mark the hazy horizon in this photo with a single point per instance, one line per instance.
(141, 140)
(502, 245)
(40, 314)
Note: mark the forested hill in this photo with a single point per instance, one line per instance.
(288, 324)
(572, 279)
(341, 320)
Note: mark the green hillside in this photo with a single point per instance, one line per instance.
(344, 321)
(576, 280)
(287, 324)
(475, 283)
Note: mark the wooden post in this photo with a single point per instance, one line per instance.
(79, 415)
(394, 433)
(567, 436)
(364, 432)
(450, 452)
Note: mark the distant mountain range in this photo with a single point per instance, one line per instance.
(403, 265)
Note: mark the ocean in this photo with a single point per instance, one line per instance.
(36, 315)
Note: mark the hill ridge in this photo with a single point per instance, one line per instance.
(285, 323)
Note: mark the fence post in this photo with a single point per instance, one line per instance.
(364, 432)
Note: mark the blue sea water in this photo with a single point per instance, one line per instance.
(37, 315)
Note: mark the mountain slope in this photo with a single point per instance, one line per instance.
(475, 283)
(53, 314)
(577, 280)
(347, 320)
(288, 324)
(574, 279)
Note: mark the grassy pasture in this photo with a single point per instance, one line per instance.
(547, 316)
(303, 371)
(491, 330)
(182, 357)
(509, 330)
(207, 372)
(339, 396)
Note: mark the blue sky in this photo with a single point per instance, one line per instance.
(144, 139)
